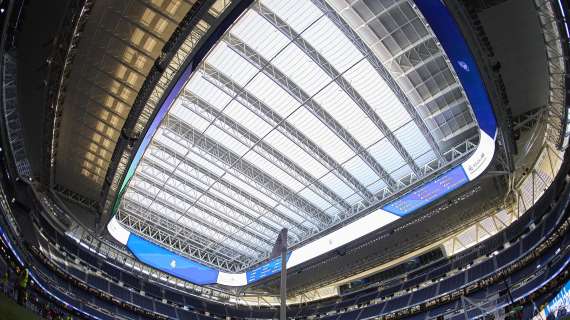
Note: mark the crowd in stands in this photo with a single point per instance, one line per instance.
(17, 286)
(480, 273)
(509, 261)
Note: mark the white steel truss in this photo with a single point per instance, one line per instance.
(249, 147)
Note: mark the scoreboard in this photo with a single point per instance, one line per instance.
(429, 192)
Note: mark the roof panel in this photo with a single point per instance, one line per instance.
(207, 92)
(305, 73)
(315, 130)
(206, 169)
(254, 30)
(242, 115)
(269, 168)
(339, 105)
(272, 95)
(283, 144)
(379, 96)
(315, 199)
(227, 141)
(336, 184)
(332, 44)
(387, 155)
(231, 64)
(412, 139)
(181, 112)
(298, 14)
(360, 171)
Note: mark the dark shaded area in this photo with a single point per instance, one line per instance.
(517, 66)
(40, 21)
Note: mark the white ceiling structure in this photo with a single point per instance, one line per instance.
(298, 118)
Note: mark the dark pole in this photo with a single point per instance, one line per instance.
(509, 292)
(283, 288)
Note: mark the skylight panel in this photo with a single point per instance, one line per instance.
(272, 95)
(194, 157)
(235, 200)
(207, 91)
(147, 170)
(255, 193)
(332, 211)
(272, 170)
(332, 44)
(139, 199)
(339, 105)
(227, 141)
(259, 34)
(376, 187)
(176, 217)
(189, 117)
(360, 170)
(172, 141)
(315, 199)
(155, 156)
(212, 233)
(379, 96)
(412, 139)
(149, 190)
(425, 158)
(333, 182)
(293, 215)
(266, 218)
(401, 172)
(288, 148)
(247, 119)
(353, 199)
(315, 130)
(387, 155)
(231, 64)
(298, 14)
(303, 71)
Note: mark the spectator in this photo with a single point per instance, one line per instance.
(23, 286)
(5, 280)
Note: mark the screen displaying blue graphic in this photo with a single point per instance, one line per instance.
(560, 303)
(266, 270)
(429, 192)
(171, 262)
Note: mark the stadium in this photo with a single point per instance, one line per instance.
(270, 159)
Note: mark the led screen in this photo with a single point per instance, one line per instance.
(560, 304)
(265, 270)
(170, 262)
(429, 192)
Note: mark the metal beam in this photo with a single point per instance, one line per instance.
(302, 97)
(14, 129)
(197, 226)
(231, 160)
(160, 232)
(75, 197)
(448, 107)
(236, 130)
(381, 70)
(332, 72)
(263, 111)
(204, 213)
(195, 171)
(221, 211)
